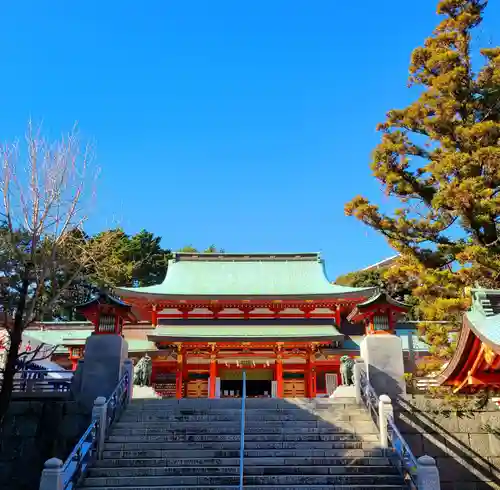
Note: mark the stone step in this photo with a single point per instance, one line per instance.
(300, 403)
(129, 446)
(224, 409)
(193, 403)
(302, 416)
(144, 430)
(311, 480)
(286, 437)
(332, 417)
(193, 470)
(250, 404)
(235, 423)
(260, 487)
(165, 446)
(169, 462)
(252, 427)
(235, 453)
(147, 471)
(231, 416)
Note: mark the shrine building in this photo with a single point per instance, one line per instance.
(274, 315)
(475, 364)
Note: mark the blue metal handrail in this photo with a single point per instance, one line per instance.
(82, 455)
(117, 401)
(407, 463)
(242, 428)
(86, 449)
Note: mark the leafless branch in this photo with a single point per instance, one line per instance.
(43, 209)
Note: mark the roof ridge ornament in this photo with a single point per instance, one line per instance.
(483, 303)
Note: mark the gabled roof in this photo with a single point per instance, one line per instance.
(481, 324)
(382, 264)
(248, 275)
(484, 316)
(242, 332)
(379, 298)
(66, 338)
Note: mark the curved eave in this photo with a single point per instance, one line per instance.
(481, 335)
(460, 357)
(382, 297)
(237, 338)
(146, 293)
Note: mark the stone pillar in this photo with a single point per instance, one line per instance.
(129, 368)
(279, 377)
(358, 365)
(99, 413)
(274, 389)
(103, 368)
(385, 411)
(213, 376)
(383, 357)
(52, 475)
(427, 474)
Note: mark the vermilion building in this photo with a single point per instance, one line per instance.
(476, 362)
(276, 315)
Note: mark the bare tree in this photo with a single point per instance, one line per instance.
(43, 248)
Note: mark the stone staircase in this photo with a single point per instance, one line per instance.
(289, 444)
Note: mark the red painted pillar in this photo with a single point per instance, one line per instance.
(310, 374)
(312, 379)
(178, 375)
(338, 319)
(279, 377)
(154, 316)
(307, 377)
(213, 376)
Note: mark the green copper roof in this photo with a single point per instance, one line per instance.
(60, 337)
(250, 332)
(64, 338)
(484, 315)
(279, 275)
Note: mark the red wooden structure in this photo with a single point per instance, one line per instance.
(274, 315)
(476, 362)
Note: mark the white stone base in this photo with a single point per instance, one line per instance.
(344, 392)
(144, 392)
(383, 356)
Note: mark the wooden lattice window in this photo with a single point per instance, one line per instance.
(106, 323)
(381, 322)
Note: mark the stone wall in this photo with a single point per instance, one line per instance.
(35, 431)
(467, 455)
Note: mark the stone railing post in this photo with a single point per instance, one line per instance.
(128, 367)
(357, 380)
(100, 413)
(385, 410)
(427, 474)
(52, 475)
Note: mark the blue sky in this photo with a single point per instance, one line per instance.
(244, 124)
